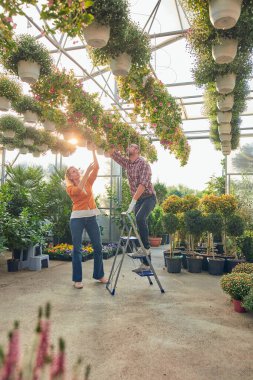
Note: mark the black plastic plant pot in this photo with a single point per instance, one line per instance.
(194, 264)
(174, 264)
(16, 253)
(231, 263)
(12, 265)
(216, 266)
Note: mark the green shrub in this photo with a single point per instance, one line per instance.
(248, 301)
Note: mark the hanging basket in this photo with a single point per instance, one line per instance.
(28, 142)
(30, 117)
(5, 104)
(49, 126)
(23, 150)
(36, 154)
(224, 14)
(225, 104)
(224, 128)
(226, 145)
(121, 65)
(224, 117)
(225, 137)
(68, 135)
(96, 35)
(43, 147)
(225, 83)
(9, 134)
(28, 72)
(225, 52)
(10, 147)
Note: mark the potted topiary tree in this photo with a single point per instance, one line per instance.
(214, 225)
(195, 225)
(155, 226)
(29, 107)
(29, 59)
(10, 125)
(235, 228)
(10, 91)
(171, 224)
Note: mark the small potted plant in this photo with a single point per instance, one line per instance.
(155, 226)
(29, 59)
(237, 285)
(171, 225)
(10, 91)
(29, 107)
(10, 125)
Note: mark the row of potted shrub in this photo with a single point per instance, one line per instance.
(222, 62)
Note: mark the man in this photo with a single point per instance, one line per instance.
(143, 193)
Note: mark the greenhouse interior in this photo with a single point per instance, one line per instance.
(126, 189)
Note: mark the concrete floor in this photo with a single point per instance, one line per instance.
(190, 332)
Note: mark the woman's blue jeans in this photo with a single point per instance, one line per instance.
(77, 225)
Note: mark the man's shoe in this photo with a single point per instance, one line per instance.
(140, 253)
(142, 268)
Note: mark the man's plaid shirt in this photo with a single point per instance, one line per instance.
(138, 173)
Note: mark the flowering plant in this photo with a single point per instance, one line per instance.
(237, 285)
(43, 363)
(243, 268)
(9, 88)
(156, 106)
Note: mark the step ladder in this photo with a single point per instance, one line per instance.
(126, 240)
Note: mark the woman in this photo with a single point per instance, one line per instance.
(83, 216)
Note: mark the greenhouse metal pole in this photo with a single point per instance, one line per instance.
(3, 151)
(226, 175)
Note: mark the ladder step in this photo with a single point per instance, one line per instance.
(134, 258)
(130, 238)
(145, 273)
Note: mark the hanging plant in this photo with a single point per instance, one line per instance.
(156, 106)
(10, 125)
(9, 88)
(28, 49)
(131, 41)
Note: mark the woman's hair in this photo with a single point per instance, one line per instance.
(67, 174)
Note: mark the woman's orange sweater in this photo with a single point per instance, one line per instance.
(82, 201)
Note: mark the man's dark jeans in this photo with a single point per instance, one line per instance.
(143, 208)
(77, 225)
